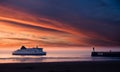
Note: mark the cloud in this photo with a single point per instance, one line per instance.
(16, 26)
(69, 22)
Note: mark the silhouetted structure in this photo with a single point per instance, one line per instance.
(105, 54)
(23, 47)
(93, 49)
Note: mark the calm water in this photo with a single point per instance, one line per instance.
(57, 54)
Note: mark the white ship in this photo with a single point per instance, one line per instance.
(29, 51)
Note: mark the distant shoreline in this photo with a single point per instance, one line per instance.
(76, 66)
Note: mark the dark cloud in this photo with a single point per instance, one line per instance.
(2, 0)
(21, 39)
(100, 17)
(46, 43)
(32, 27)
(85, 7)
(100, 9)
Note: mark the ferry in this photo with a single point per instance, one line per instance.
(29, 51)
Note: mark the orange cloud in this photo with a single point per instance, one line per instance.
(17, 25)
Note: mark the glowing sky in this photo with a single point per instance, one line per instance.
(59, 22)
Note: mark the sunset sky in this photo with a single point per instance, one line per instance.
(59, 22)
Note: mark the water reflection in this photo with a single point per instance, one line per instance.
(55, 55)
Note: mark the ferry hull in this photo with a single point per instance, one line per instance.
(44, 53)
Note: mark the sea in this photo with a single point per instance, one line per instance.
(57, 54)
